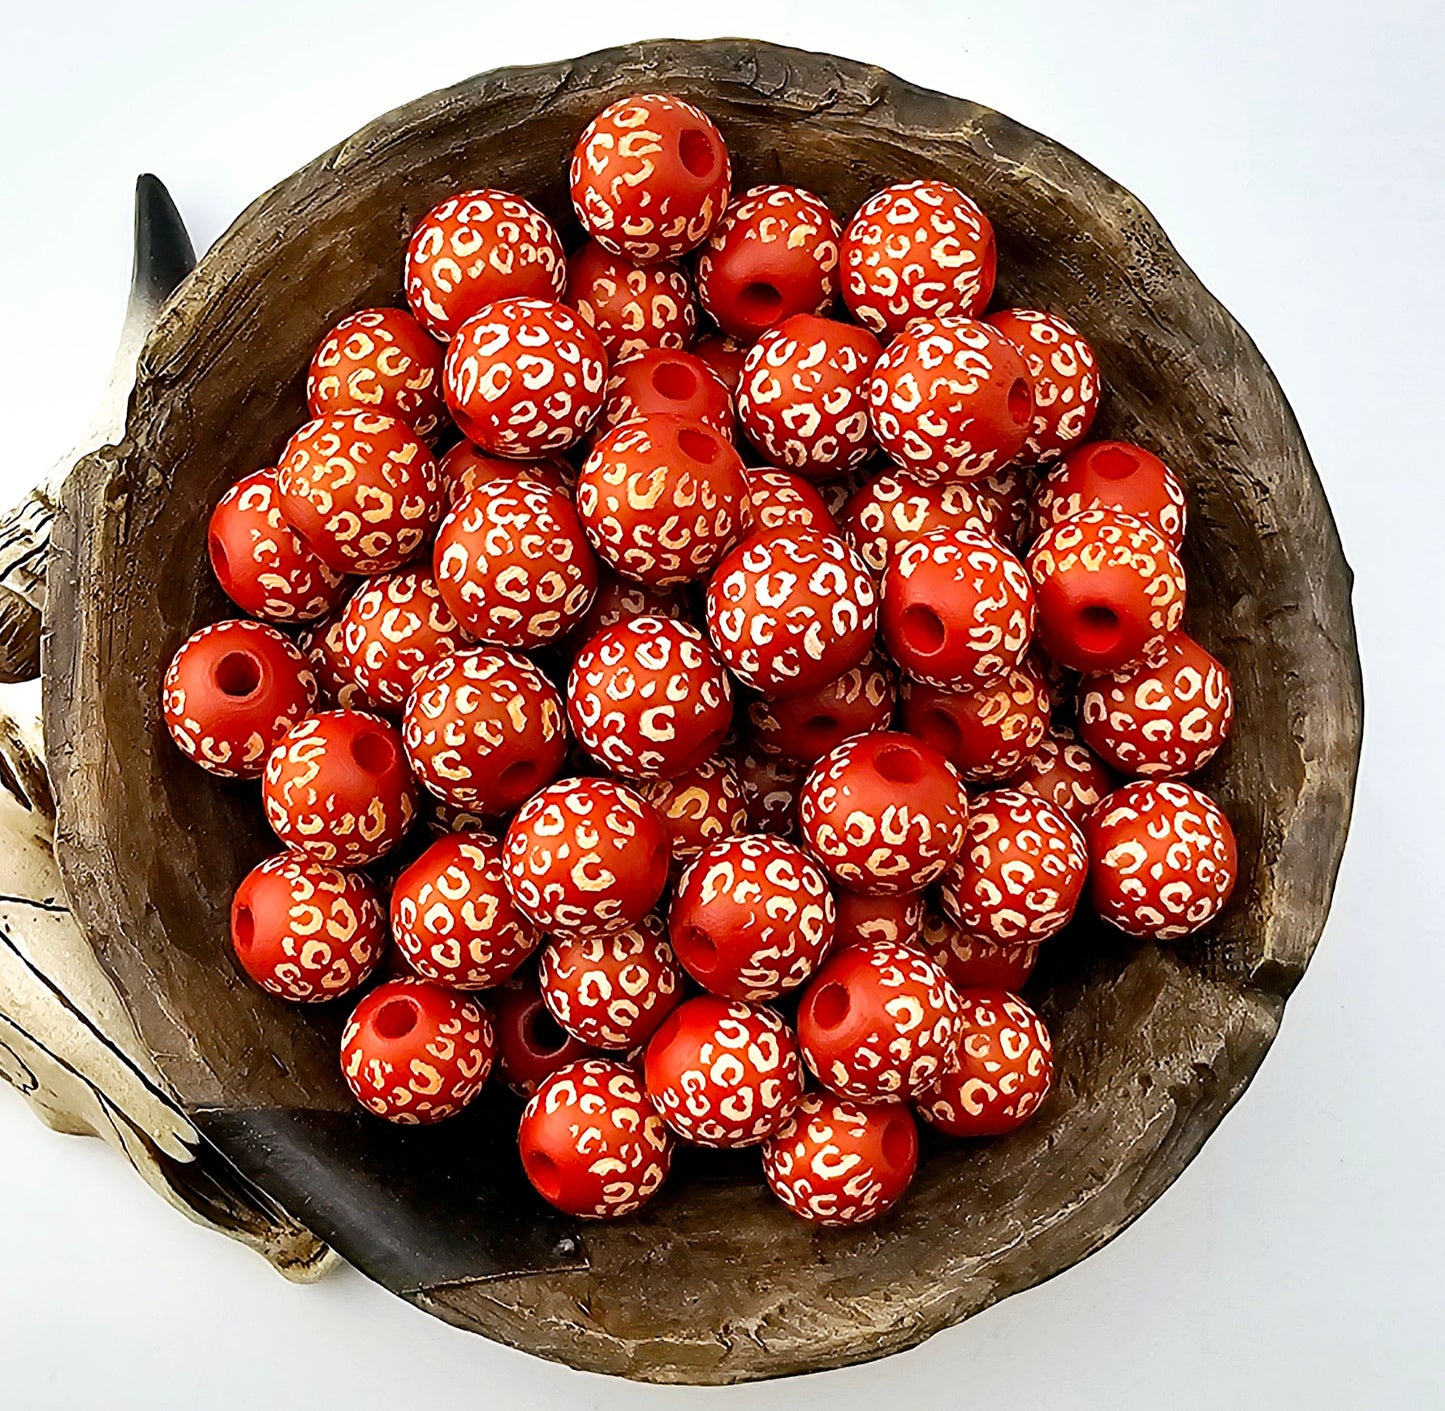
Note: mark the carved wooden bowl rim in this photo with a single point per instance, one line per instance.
(716, 1284)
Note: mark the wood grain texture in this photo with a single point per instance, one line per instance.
(717, 1283)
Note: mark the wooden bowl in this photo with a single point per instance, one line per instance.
(716, 1282)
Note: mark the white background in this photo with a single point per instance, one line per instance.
(1293, 151)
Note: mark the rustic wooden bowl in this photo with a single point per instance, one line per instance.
(716, 1282)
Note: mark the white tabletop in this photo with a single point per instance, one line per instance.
(1292, 149)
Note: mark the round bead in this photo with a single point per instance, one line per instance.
(957, 609)
(306, 931)
(379, 360)
(889, 512)
(1067, 773)
(1065, 377)
(415, 1053)
(897, 919)
(879, 1021)
(1162, 859)
(918, 249)
(513, 564)
(661, 382)
(753, 917)
(586, 856)
(392, 629)
(884, 813)
(524, 377)
(531, 1045)
(361, 490)
(650, 177)
(975, 962)
(699, 807)
(592, 1142)
(770, 785)
(791, 612)
(263, 565)
(725, 357)
(231, 691)
(611, 992)
(631, 306)
(723, 1073)
(323, 644)
(1111, 475)
(1002, 1073)
(989, 733)
(951, 398)
(1109, 590)
(836, 1162)
(806, 727)
(454, 919)
(464, 467)
(337, 788)
(477, 247)
(774, 254)
(783, 500)
(1004, 493)
(803, 401)
(619, 600)
(1165, 717)
(1021, 871)
(484, 730)
(662, 499)
(649, 698)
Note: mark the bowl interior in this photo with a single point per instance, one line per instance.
(715, 1281)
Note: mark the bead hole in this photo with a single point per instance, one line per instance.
(675, 381)
(543, 1173)
(699, 950)
(1097, 628)
(238, 674)
(989, 264)
(395, 1019)
(219, 561)
(373, 752)
(821, 725)
(899, 764)
(760, 303)
(830, 1006)
(517, 776)
(923, 629)
(695, 149)
(243, 928)
(697, 445)
(1020, 401)
(1115, 463)
(544, 1033)
(900, 1142)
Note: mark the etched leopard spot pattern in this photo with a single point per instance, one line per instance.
(611, 991)
(513, 565)
(791, 611)
(662, 501)
(392, 629)
(436, 1083)
(917, 249)
(701, 807)
(476, 247)
(472, 707)
(891, 511)
(1021, 872)
(270, 571)
(1065, 377)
